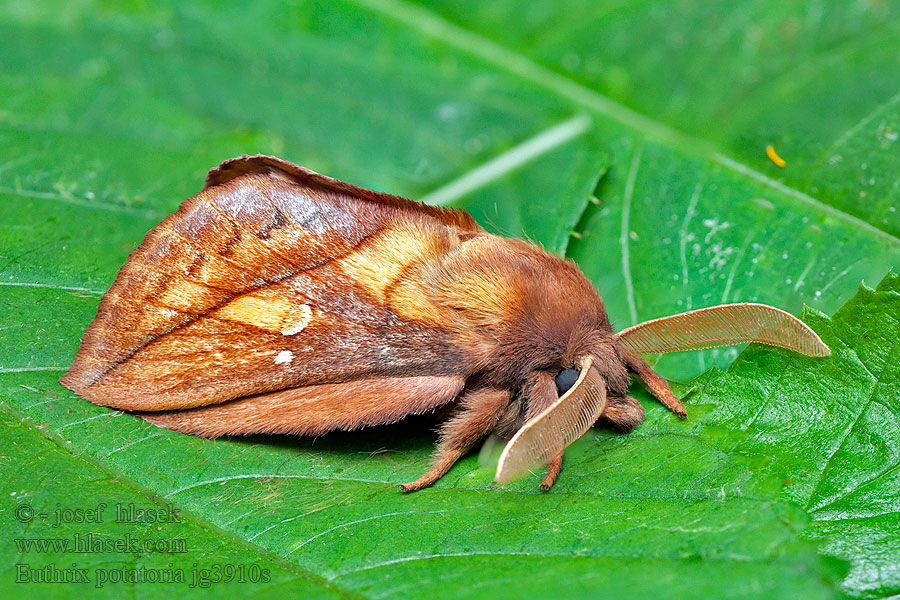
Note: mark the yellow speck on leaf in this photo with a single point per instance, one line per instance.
(773, 156)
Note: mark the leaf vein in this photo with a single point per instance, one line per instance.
(428, 22)
(508, 161)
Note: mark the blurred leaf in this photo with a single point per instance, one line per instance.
(817, 80)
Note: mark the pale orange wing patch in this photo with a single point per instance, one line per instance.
(724, 325)
(265, 309)
(390, 265)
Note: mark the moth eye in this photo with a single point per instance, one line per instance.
(565, 379)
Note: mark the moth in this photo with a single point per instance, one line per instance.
(278, 300)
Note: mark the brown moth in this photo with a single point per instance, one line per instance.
(278, 300)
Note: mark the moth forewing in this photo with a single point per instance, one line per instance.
(724, 325)
(247, 287)
(563, 422)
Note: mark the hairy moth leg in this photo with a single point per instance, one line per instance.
(622, 413)
(541, 392)
(553, 469)
(657, 384)
(480, 411)
(543, 438)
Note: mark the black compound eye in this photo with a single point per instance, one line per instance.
(565, 379)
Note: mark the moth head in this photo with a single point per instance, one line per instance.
(615, 355)
(584, 381)
(559, 424)
(603, 355)
(572, 376)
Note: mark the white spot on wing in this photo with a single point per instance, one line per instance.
(303, 317)
(284, 357)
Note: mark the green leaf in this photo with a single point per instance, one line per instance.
(64, 514)
(112, 112)
(814, 79)
(664, 498)
(691, 221)
(838, 449)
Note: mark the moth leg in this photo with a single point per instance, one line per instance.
(541, 392)
(657, 384)
(481, 409)
(623, 413)
(553, 469)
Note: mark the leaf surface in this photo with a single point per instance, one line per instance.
(839, 449)
(630, 137)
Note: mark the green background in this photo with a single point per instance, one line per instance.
(629, 136)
